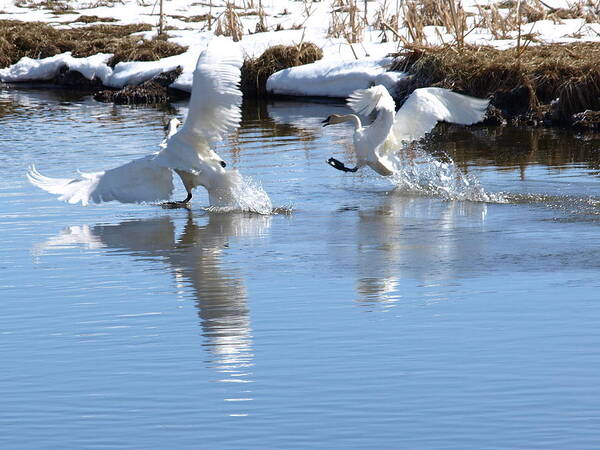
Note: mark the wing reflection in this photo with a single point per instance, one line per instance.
(195, 259)
(392, 245)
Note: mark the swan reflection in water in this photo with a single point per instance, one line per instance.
(195, 259)
(407, 238)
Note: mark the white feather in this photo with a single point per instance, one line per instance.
(365, 101)
(214, 110)
(425, 107)
(140, 180)
(376, 144)
(368, 139)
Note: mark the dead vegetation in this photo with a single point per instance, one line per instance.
(192, 19)
(534, 84)
(229, 23)
(56, 6)
(452, 23)
(387, 19)
(62, 6)
(255, 71)
(94, 19)
(530, 85)
(152, 92)
(446, 13)
(522, 81)
(40, 40)
(346, 21)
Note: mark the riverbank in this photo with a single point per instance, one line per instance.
(550, 85)
(538, 85)
(535, 61)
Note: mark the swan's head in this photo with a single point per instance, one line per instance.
(333, 119)
(212, 170)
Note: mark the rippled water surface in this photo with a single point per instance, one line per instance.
(362, 316)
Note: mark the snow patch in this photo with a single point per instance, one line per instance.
(327, 78)
(124, 73)
(28, 69)
(333, 78)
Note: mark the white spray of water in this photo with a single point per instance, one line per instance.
(420, 172)
(240, 193)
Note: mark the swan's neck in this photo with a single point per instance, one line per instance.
(173, 124)
(380, 128)
(354, 119)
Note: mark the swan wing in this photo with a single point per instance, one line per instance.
(171, 130)
(368, 140)
(376, 98)
(214, 107)
(140, 180)
(425, 107)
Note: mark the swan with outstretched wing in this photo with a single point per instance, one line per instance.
(214, 110)
(376, 144)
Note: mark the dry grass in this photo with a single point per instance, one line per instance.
(502, 19)
(522, 82)
(229, 23)
(415, 23)
(500, 25)
(94, 19)
(154, 91)
(544, 73)
(56, 6)
(261, 25)
(387, 19)
(145, 50)
(255, 71)
(346, 21)
(192, 19)
(63, 5)
(580, 9)
(417, 14)
(40, 40)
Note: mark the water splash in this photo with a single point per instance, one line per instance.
(239, 193)
(420, 172)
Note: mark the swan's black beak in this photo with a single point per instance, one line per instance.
(223, 164)
(325, 122)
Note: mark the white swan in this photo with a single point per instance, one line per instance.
(214, 109)
(375, 144)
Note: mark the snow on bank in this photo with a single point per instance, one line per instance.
(128, 73)
(136, 72)
(28, 69)
(327, 78)
(336, 78)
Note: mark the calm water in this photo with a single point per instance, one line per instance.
(369, 317)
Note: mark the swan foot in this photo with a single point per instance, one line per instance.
(336, 164)
(174, 205)
(181, 204)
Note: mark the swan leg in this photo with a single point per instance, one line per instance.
(187, 179)
(181, 204)
(336, 164)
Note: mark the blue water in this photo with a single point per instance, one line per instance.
(367, 317)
